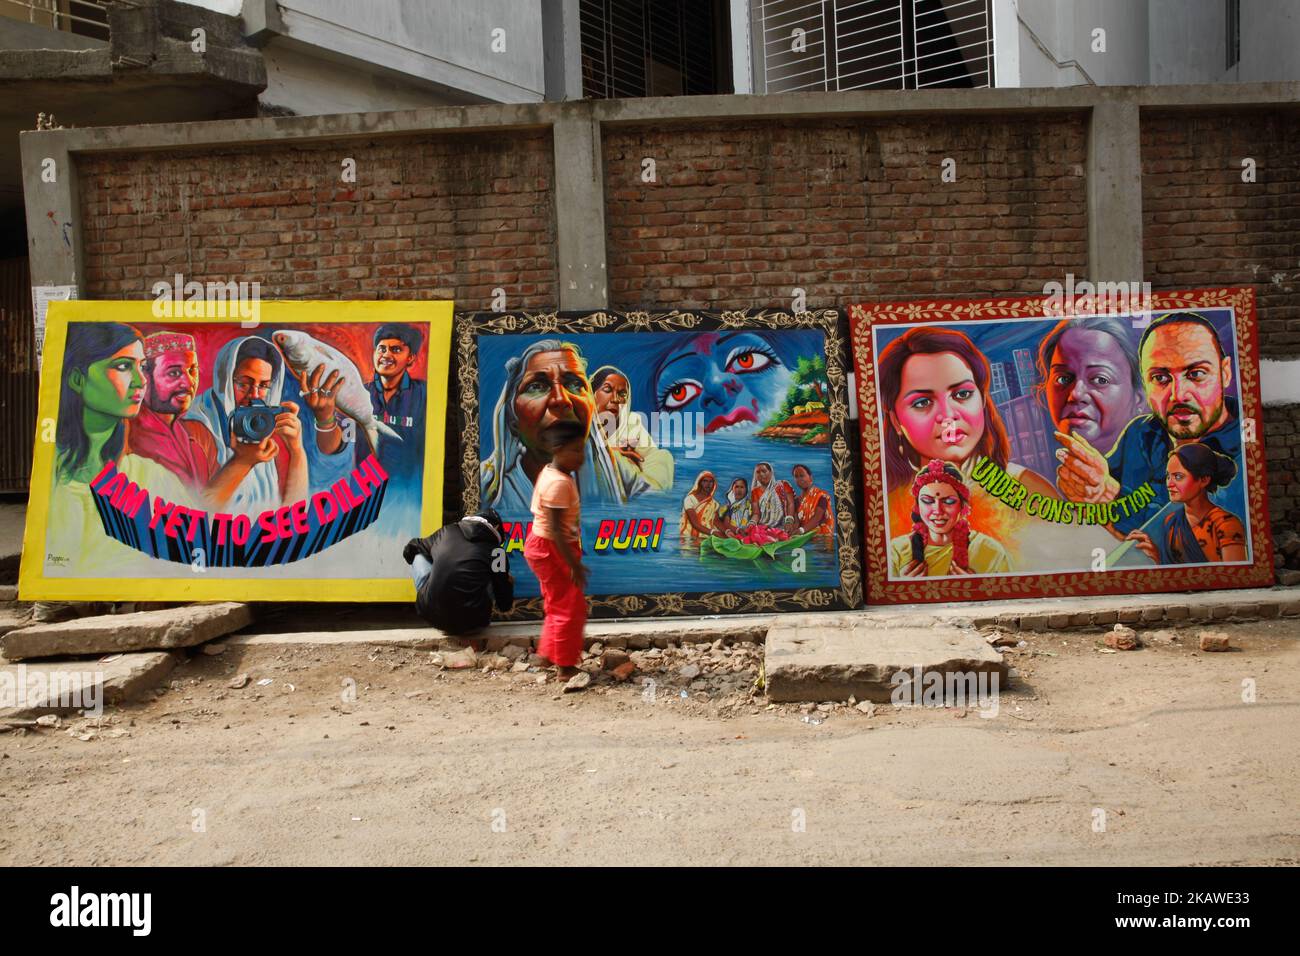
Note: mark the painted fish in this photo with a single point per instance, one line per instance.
(305, 354)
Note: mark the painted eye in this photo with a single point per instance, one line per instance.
(675, 396)
(1063, 380)
(963, 394)
(921, 404)
(1100, 380)
(751, 360)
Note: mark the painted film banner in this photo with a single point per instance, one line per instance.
(718, 476)
(286, 458)
(1024, 447)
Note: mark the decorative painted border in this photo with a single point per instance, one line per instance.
(848, 595)
(433, 317)
(882, 591)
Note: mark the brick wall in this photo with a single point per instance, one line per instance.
(431, 217)
(450, 216)
(849, 211)
(1204, 226)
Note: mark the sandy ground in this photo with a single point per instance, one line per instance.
(428, 766)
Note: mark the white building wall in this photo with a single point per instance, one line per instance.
(1056, 42)
(326, 56)
(1270, 41)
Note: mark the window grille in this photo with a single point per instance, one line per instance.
(874, 44)
(648, 47)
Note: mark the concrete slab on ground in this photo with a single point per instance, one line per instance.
(858, 656)
(144, 630)
(12, 618)
(64, 687)
(12, 516)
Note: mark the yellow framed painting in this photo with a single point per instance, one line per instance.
(285, 454)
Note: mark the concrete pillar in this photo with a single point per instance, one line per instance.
(53, 216)
(1114, 179)
(562, 49)
(580, 209)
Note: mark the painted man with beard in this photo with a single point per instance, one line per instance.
(1186, 375)
(161, 432)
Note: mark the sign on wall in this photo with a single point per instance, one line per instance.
(718, 476)
(286, 458)
(1028, 447)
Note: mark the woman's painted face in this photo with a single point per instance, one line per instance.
(728, 377)
(1182, 485)
(553, 388)
(707, 485)
(739, 488)
(763, 474)
(939, 506)
(612, 394)
(115, 386)
(939, 409)
(802, 478)
(1090, 387)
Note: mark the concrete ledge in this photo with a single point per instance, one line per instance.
(860, 658)
(146, 630)
(1059, 614)
(50, 687)
(634, 634)
(778, 107)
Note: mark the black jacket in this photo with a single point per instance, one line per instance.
(458, 594)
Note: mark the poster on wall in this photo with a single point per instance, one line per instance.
(1029, 447)
(289, 457)
(718, 475)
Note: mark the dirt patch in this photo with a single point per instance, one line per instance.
(371, 754)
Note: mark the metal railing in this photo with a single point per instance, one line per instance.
(874, 44)
(647, 47)
(83, 17)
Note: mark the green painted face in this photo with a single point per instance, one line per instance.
(114, 386)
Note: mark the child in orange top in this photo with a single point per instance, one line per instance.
(554, 548)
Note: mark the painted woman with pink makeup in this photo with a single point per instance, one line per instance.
(934, 386)
(941, 541)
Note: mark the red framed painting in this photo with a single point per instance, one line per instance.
(1048, 446)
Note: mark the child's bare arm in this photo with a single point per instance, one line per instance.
(571, 558)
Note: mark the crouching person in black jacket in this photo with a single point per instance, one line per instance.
(460, 571)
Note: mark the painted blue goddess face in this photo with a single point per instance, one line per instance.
(728, 377)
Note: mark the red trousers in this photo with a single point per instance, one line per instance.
(565, 607)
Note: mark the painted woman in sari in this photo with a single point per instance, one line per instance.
(942, 541)
(545, 384)
(630, 445)
(772, 500)
(700, 508)
(813, 512)
(1196, 531)
(737, 514)
(103, 387)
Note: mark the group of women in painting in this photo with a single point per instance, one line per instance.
(764, 502)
